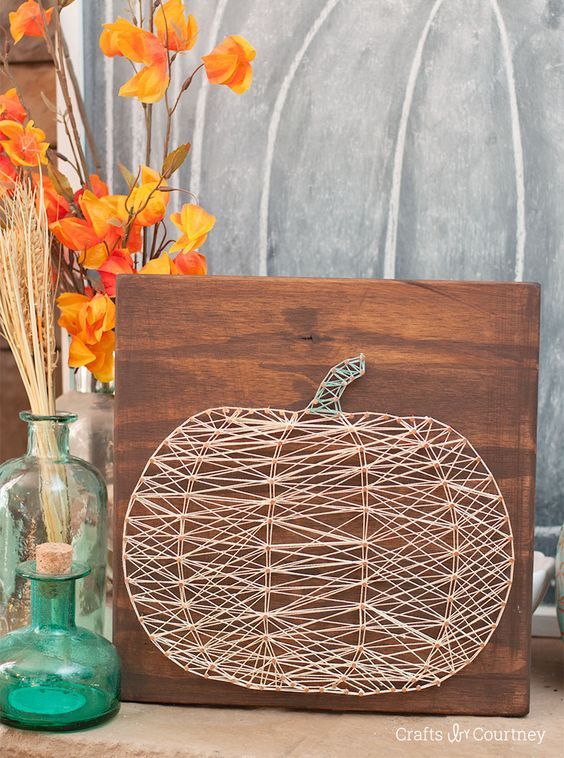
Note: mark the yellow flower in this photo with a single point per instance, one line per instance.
(195, 224)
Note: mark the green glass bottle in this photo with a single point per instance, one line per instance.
(49, 495)
(54, 675)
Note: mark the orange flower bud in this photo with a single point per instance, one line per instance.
(230, 64)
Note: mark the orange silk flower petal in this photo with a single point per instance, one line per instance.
(98, 358)
(148, 85)
(103, 365)
(191, 264)
(94, 257)
(97, 213)
(99, 188)
(195, 224)
(230, 64)
(175, 30)
(135, 239)
(75, 233)
(56, 206)
(161, 265)
(97, 317)
(24, 145)
(79, 353)
(70, 305)
(11, 108)
(27, 20)
(119, 262)
(8, 175)
(122, 38)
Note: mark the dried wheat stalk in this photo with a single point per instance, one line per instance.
(27, 295)
(27, 322)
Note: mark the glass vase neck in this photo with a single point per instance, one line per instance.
(52, 604)
(52, 596)
(48, 436)
(84, 382)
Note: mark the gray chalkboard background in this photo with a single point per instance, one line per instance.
(381, 138)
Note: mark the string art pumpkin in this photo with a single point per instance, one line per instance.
(318, 551)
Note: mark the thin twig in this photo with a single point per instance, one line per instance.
(81, 107)
(172, 110)
(57, 55)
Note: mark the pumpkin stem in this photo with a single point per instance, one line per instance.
(327, 398)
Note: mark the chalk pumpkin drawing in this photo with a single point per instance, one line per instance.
(318, 551)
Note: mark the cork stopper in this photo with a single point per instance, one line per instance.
(53, 558)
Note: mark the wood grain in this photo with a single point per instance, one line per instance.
(464, 353)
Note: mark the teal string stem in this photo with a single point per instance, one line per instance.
(327, 400)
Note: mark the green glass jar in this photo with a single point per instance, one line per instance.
(54, 675)
(50, 495)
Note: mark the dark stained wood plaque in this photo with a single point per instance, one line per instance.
(463, 353)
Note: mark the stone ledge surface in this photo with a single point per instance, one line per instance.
(147, 731)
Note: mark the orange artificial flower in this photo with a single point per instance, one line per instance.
(27, 20)
(96, 317)
(230, 64)
(56, 206)
(146, 202)
(140, 46)
(90, 321)
(191, 264)
(98, 358)
(195, 224)
(106, 219)
(175, 31)
(100, 212)
(11, 108)
(75, 233)
(8, 175)
(87, 317)
(119, 262)
(24, 145)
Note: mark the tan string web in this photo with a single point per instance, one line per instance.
(318, 552)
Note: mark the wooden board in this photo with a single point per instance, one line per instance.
(464, 353)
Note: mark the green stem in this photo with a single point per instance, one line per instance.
(327, 398)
